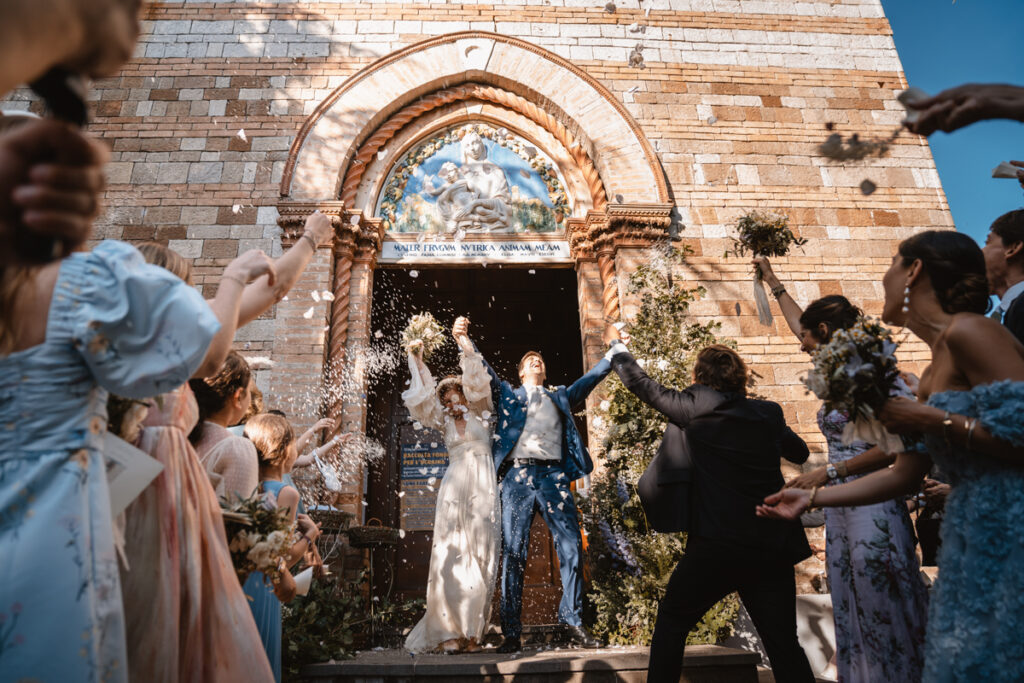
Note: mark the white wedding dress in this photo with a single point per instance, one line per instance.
(466, 536)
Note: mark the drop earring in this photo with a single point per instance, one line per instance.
(906, 300)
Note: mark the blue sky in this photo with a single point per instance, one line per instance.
(942, 44)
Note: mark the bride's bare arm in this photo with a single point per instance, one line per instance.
(790, 308)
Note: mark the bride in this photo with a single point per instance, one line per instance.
(464, 555)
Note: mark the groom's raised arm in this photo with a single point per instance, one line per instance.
(581, 388)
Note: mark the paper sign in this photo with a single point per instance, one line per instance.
(129, 471)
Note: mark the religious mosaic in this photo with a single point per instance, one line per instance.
(474, 179)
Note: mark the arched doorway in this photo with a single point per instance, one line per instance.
(580, 183)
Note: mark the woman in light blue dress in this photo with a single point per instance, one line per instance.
(95, 322)
(274, 440)
(970, 417)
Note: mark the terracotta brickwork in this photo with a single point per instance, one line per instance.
(231, 110)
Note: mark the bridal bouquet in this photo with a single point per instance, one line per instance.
(259, 536)
(423, 328)
(763, 234)
(856, 373)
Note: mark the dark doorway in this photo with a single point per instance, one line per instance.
(512, 311)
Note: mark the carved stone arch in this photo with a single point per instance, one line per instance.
(446, 108)
(330, 138)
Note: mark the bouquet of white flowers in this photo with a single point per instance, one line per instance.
(855, 373)
(763, 234)
(259, 536)
(423, 328)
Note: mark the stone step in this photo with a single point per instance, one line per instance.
(704, 664)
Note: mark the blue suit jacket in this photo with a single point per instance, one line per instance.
(510, 409)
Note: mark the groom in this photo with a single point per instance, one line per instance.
(538, 452)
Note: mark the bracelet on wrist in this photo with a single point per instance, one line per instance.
(971, 424)
(778, 290)
(810, 499)
(312, 242)
(947, 424)
(234, 278)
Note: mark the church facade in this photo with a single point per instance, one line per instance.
(545, 139)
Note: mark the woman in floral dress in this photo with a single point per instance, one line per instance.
(879, 601)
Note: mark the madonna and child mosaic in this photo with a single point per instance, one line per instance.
(474, 179)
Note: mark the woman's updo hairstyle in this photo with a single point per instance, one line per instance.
(212, 393)
(956, 267)
(834, 311)
(271, 435)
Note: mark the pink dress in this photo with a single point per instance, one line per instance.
(186, 616)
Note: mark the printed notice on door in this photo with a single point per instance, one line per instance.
(423, 465)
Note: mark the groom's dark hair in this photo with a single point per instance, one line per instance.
(527, 356)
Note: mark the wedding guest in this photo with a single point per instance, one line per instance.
(735, 444)
(879, 602)
(966, 104)
(971, 398)
(1004, 266)
(466, 536)
(273, 439)
(186, 615)
(70, 331)
(223, 399)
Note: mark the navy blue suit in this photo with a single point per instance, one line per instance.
(543, 487)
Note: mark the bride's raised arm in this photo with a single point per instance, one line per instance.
(421, 396)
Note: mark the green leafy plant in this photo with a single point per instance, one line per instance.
(630, 564)
(763, 234)
(334, 620)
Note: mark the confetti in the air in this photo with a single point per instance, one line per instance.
(308, 314)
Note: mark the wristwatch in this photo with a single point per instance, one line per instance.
(831, 471)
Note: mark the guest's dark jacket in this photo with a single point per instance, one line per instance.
(1013, 319)
(734, 444)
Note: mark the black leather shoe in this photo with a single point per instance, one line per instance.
(580, 637)
(509, 645)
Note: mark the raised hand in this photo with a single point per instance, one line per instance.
(50, 180)
(966, 104)
(251, 265)
(318, 226)
(323, 423)
(786, 504)
(416, 349)
(461, 327)
(767, 274)
(1020, 173)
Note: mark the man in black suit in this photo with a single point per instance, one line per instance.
(1004, 265)
(734, 445)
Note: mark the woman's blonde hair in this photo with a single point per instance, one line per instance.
(272, 435)
(166, 258)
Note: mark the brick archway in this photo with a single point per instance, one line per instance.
(333, 134)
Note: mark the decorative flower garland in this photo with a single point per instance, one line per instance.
(406, 167)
